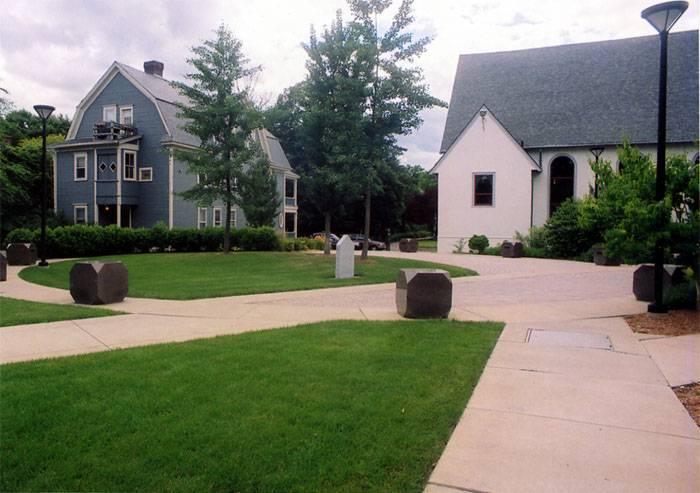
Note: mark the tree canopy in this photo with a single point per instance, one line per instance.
(221, 114)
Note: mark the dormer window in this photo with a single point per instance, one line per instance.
(126, 115)
(109, 113)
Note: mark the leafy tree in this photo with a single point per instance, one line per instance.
(394, 90)
(329, 101)
(221, 115)
(630, 220)
(20, 167)
(257, 193)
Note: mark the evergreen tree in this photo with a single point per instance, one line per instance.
(221, 115)
(257, 193)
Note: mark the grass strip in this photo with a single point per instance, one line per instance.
(20, 312)
(334, 406)
(185, 276)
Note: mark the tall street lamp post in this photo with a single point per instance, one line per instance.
(662, 16)
(44, 113)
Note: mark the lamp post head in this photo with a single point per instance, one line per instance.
(664, 15)
(44, 111)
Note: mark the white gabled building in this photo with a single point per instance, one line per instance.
(522, 126)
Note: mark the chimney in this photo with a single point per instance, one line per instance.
(153, 67)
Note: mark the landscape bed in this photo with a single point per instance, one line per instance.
(183, 276)
(344, 405)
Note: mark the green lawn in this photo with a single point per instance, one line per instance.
(20, 312)
(183, 276)
(427, 246)
(334, 406)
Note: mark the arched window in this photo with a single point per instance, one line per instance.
(561, 181)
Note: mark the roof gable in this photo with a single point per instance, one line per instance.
(505, 138)
(583, 94)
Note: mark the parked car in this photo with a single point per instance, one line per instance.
(322, 236)
(373, 245)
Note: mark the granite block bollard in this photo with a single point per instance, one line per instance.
(345, 258)
(423, 293)
(600, 258)
(408, 245)
(643, 280)
(21, 254)
(512, 250)
(3, 267)
(98, 283)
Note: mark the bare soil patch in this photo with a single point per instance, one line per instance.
(676, 323)
(689, 395)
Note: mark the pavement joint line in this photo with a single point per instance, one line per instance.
(364, 314)
(627, 428)
(656, 365)
(91, 335)
(458, 488)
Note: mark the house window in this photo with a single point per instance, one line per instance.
(561, 181)
(233, 217)
(145, 174)
(80, 167)
(109, 113)
(113, 166)
(218, 211)
(201, 217)
(483, 190)
(103, 166)
(130, 165)
(80, 214)
(126, 115)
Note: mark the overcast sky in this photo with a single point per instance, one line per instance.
(54, 51)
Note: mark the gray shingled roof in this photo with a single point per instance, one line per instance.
(581, 94)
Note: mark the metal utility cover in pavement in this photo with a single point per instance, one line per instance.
(574, 339)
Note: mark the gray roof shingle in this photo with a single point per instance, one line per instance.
(581, 94)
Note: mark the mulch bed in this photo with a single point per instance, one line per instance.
(676, 323)
(689, 395)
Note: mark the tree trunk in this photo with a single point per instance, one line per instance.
(327, 235)
(365, 244)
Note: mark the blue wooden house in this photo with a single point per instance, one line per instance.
(116, 165)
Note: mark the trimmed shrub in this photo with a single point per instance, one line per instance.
(535, 237)
(478, 243)
(258, 239)
(91, 241)
(566, 238)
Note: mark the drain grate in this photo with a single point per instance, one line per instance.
(573, 339)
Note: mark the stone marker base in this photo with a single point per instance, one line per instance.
(512, 250)
(408, 245)
(423, 293)
(643, 282)
(600, 258)
(21, 254)
(98, 283)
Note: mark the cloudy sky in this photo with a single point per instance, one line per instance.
(54, 51)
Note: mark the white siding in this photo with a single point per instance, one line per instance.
(483, 147)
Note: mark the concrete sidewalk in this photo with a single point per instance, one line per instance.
(570, 400)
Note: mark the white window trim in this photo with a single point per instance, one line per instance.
(199, 217)
(141, 170)
(75, 166)
(132, 153)
(122, 109)
(75, 213)
(220, 222)
(107, 108)
(234, 217)
(493, 188)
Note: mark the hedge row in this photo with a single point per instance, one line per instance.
(93, 241)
